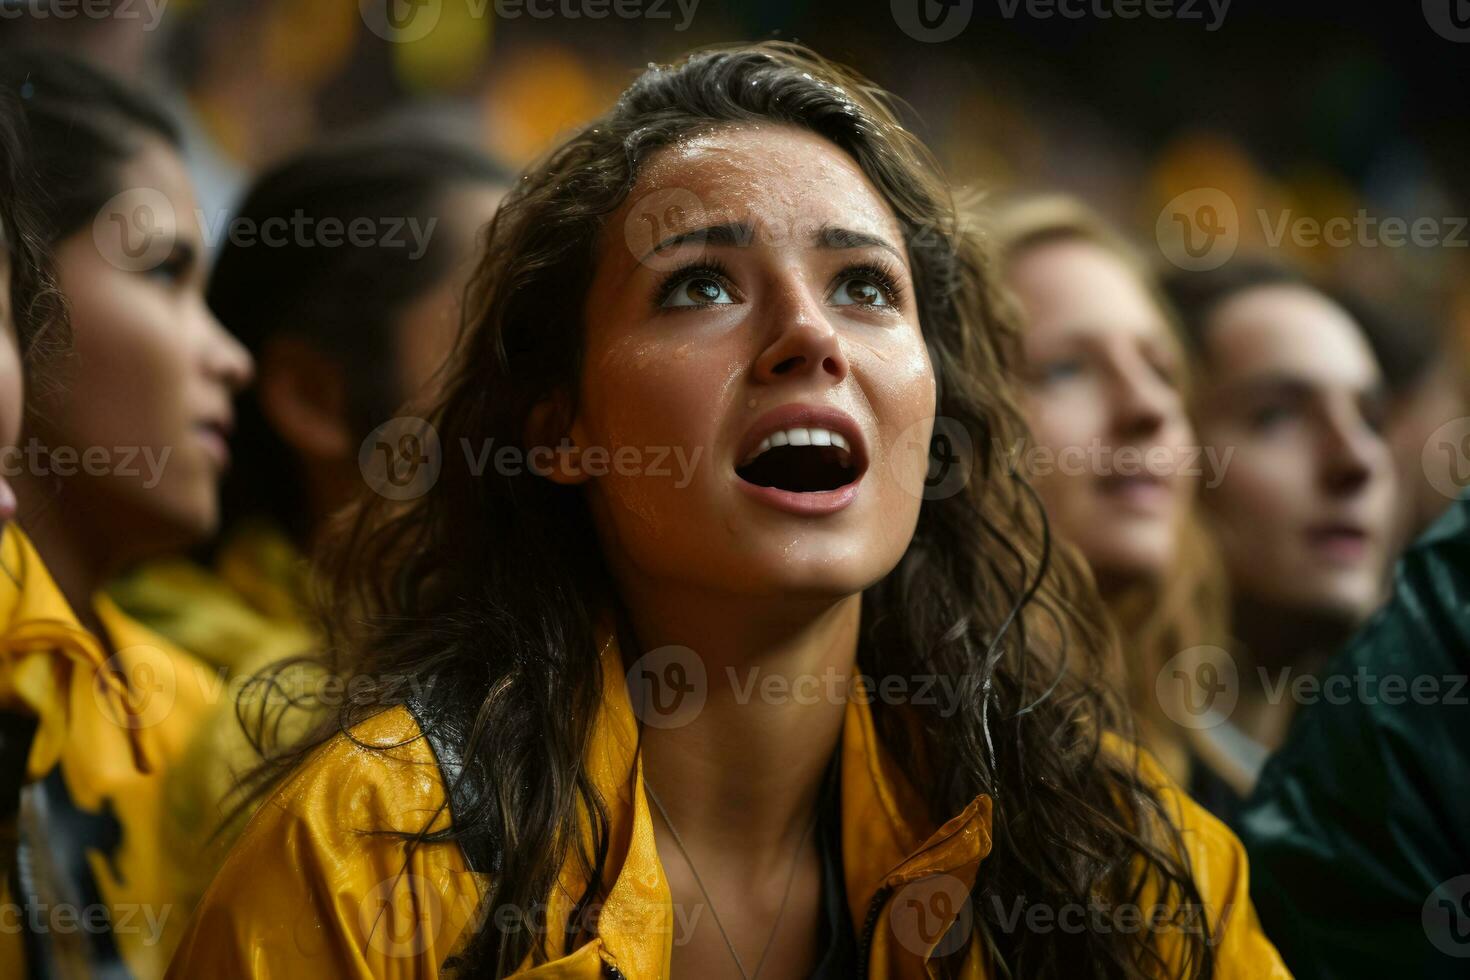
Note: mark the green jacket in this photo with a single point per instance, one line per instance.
(1359, 830)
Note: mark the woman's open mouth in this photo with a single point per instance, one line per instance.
(806, 460)
(801, 460)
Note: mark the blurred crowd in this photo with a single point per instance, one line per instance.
(250, 250)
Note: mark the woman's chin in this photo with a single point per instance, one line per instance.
(811, 573)
(1127, 563)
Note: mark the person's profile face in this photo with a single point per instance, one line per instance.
(755, 377)
(1102, 371)
(153, 374)
(1305, 509)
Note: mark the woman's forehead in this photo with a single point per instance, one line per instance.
(1289, 328)
(765, 175)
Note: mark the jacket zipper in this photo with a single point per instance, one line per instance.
(869, 927)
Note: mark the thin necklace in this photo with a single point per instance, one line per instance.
(790, 878)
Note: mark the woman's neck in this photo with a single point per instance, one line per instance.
(743, 775)
(74, 552)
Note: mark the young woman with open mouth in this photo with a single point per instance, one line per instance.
(604, 720)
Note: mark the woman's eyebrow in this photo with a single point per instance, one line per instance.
(185, 252)
(1275, 383)
(728, 233)
(742, 233)
(830, 236)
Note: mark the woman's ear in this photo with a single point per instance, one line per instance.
(553, 446)
(303, 396)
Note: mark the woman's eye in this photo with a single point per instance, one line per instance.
(1375, 414)
(1167, 372)
(171, 271)
(859, 291)
(698, 291)
(1269, 416)
(1060, 370)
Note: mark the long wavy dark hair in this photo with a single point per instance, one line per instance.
(34, 301)
(492, 584)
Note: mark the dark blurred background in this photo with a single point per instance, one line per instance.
(1295, 109)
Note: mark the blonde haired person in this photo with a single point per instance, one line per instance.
(1107, 379)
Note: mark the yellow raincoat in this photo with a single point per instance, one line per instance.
(306, 893)
(240, 616)
(105, 885)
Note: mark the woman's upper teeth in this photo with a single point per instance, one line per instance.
(799, 437)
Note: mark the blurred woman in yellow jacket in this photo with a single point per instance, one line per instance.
(122, 456)
(345, 333)
(700, 629)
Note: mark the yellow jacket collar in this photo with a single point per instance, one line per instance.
(887, 842)
(45, 653)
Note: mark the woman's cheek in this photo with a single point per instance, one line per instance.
(649, 412)
(1254, 501)
(901, 392)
